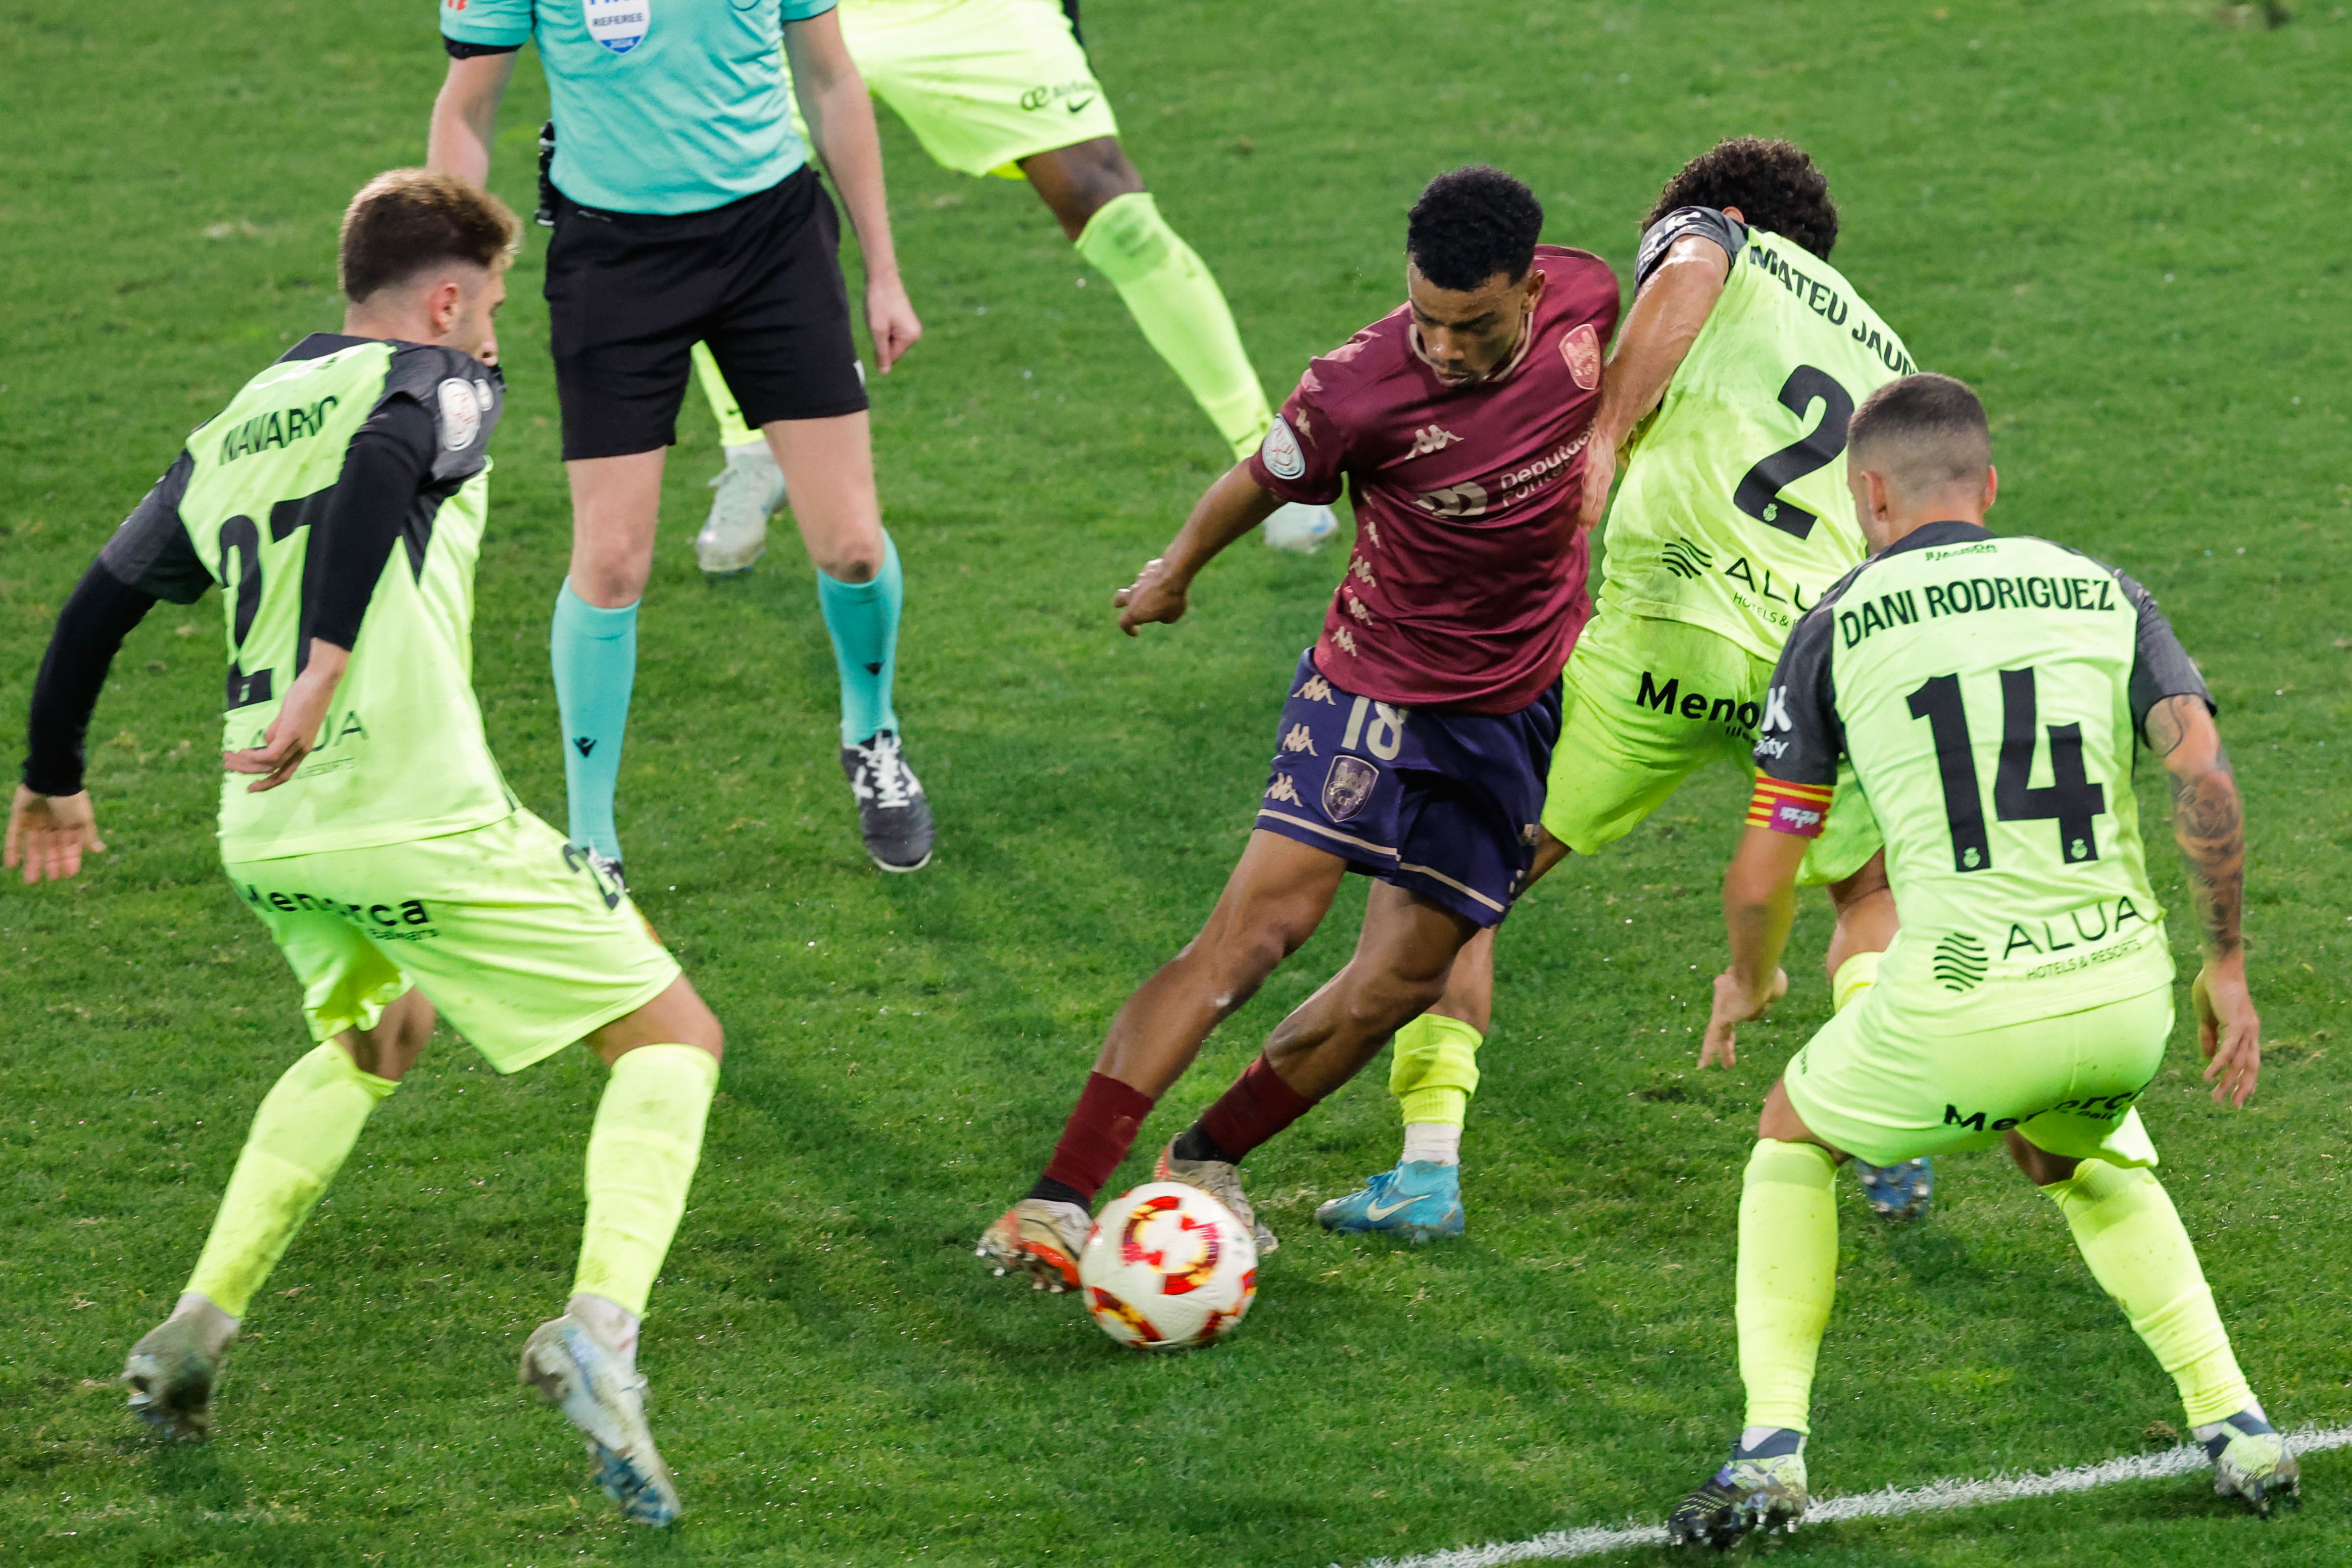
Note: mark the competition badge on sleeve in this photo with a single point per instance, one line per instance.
(619, 25)
(1280, 452)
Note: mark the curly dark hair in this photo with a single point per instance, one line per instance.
(1471, 223)
(1773, 183)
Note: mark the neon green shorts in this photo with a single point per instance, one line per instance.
(1649, 703)
(982, 83)
(507, 930)
(1888, 1087)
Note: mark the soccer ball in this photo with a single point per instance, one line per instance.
(1168, 1268)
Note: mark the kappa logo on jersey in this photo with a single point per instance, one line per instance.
(1362, 569)
(461, 412)
(1356, 609)
(619, 25)
(1431, 438)
(1347, 786)
(1343, 639)
(1280, 452)
(1580, 348)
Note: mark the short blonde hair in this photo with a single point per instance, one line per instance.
(406, 220)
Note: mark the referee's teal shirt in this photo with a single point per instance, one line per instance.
(661, 106)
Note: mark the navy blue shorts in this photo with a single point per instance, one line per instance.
(1443, 804)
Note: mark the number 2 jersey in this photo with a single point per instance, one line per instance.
(1987, 691)
(279, 501)
(1733, 513)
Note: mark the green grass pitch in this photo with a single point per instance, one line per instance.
(2123, 221)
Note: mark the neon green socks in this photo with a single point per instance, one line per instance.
(732, 431)
(307, 1124)
(1787, 1277)
(1184, 314)
(1433, 1074)
(2132, 1237)
(641, 1158)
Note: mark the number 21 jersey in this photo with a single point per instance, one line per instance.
(402, 754)
(1733, 514)
(1989, 690)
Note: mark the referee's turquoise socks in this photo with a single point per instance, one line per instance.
(595, 656)
(863, 620)
(1184, 314)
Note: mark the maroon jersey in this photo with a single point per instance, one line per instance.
(1466, 586)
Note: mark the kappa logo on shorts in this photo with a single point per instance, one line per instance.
(1280, 451)
(1347, 786)
(1283, 789)
(1316, 690)
(1300, 739)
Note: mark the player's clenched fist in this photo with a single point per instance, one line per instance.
(1736, 1002)
(1156, 595)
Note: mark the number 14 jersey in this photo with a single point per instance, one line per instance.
(1733, 514)
(1987, 691)
(402, 754)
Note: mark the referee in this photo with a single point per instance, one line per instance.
(685, 211)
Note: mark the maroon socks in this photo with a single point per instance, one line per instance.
(1258, 1105)
(1100, 1131)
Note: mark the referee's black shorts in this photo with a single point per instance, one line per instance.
(630, 294)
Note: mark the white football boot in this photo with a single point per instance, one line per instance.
(1222, 1181)
(599, 1392)
(750, 488)
(1039, 1237)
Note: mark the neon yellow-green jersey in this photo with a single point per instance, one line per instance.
(1733, 513)
(1987, 691)
(255, 503)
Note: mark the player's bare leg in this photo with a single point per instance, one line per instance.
(642, 1153)
(1096, 194)
(1433, 1075)
(1276, 897)
(1406, 949)
(301, 1135)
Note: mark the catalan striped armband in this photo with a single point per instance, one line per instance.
(1785, 808)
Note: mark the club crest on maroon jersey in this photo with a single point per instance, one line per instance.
(1580, 347)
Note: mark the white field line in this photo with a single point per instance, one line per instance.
(1935, 1497)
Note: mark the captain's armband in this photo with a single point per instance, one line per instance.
(1796, 808)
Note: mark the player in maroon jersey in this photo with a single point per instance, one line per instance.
(1419, 728)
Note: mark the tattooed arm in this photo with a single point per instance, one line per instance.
(2209, 824)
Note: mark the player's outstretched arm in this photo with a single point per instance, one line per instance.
(1759, 903)
(2209, 822)
(1227, 511)
(465, 114)
(841, 122)
(1665, 319)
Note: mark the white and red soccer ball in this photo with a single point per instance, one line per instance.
(1168, 1268)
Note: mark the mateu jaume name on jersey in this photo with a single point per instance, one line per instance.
(1824, 299)
(277, 427)
(1971, 595)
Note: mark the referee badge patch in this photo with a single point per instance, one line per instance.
(619, 25)
(1279, 451)
(461, 414)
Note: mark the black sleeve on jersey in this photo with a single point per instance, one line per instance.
(1705, 222)
(150, 550)
(1070, 9)
(389, 461)
(461, 50)
(2161, 668)
(89, 633)
(1799, 738)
